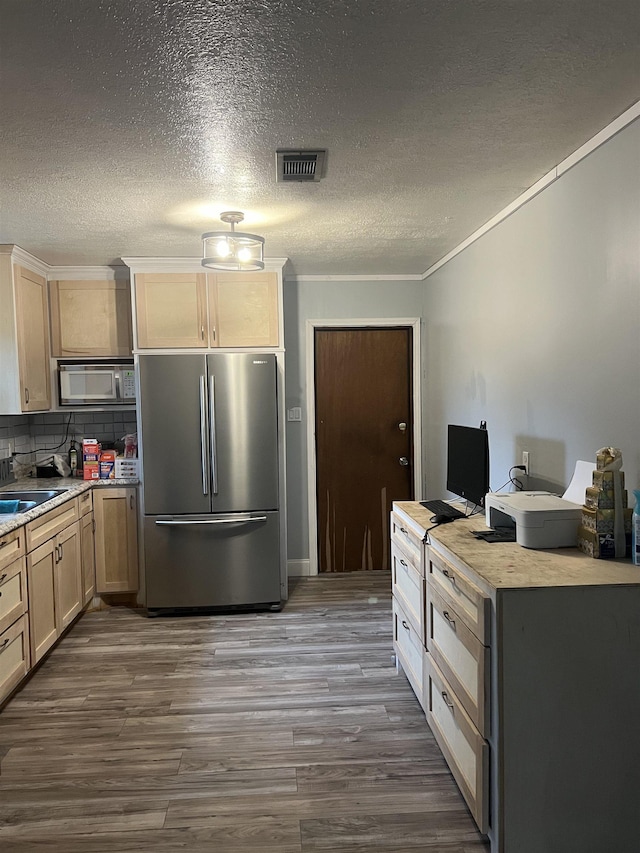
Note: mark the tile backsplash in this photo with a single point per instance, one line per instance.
(39, 436)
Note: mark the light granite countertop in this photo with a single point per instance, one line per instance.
(72, 487)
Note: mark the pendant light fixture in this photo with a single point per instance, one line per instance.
(232, 250)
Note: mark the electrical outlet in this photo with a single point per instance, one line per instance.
(525, 461)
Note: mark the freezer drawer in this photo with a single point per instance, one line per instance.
(225, 561)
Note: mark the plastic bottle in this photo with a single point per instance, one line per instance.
(635, 530)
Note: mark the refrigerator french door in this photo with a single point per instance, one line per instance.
(209, 435)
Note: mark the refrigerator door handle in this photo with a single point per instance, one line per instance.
(169, 522)
(204, 450)
(212, 433)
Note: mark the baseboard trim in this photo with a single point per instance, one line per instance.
(298, 568)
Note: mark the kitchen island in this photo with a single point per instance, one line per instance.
(526, 665)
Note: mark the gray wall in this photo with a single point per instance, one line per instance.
(326, 300)
(536, 327)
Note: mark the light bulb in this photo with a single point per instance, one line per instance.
(222, 249)
(244, 255)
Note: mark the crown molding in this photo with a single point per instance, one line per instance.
(618, 124)
(92, 273)
(348, 278)
(25, 259)
(188, 264)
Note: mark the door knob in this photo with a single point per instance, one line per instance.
(402, 426)
(403, 461)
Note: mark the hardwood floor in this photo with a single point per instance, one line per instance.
(274, 733)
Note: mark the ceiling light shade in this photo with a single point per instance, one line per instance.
(232, 250)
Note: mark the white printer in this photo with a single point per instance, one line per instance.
(542, 520)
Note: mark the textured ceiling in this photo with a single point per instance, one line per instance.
(127, 127)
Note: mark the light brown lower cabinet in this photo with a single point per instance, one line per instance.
(54, 580)
(87, 546)
(14, 655)
(116, 539)
(42, 599)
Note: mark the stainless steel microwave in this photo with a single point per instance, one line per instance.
(96, 383)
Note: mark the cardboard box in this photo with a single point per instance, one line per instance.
(603, 520)
(108, 465)
(90, 450)
(604, 479)
(600, 546)
(91, 471)
(127, 469)
(596, 498)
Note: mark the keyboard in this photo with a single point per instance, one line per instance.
(442, 508)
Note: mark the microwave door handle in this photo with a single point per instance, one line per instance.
(212, 430)
(203, 436)
(118, 384)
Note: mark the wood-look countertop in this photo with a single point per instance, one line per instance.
(507, 565)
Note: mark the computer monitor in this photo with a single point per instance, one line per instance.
(468, 462)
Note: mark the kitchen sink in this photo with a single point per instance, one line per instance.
(29, 499)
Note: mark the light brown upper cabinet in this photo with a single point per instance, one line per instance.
(243, 309)
(183, 310)
(24, 337)
(90, 318)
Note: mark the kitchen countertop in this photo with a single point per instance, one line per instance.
(72, 487)
(507, 565)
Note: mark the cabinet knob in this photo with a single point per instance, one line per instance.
(403, 461)
(402, 426)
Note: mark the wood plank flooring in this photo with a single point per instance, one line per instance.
(271, 733)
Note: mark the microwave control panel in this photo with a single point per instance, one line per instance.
(128, 384)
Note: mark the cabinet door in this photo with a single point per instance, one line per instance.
(91, 318)
(32, 323)
(171, 310)
(13, 592)
(243, 309)
(116, 533)
(88, 557)
(67, 576)
(42, 609)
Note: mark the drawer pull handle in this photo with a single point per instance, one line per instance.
(402, 563)
(446, 701)
(404, 625)
(448, 574)
(4, 644)
(2, 577)
(451, 621)
(404, 530)
(4, 542)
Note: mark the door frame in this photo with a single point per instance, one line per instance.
(414, 324)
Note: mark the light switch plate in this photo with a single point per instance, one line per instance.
(294, 414)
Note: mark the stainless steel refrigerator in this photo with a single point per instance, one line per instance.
(209, 436)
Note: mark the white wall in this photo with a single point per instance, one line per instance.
(536, 327)
(326, 300)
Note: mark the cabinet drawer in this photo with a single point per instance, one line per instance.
(408, 648)
(407, 540)
(13, 592)
(408, 589)
(14, 656)
(465, 751)
(472, 604)
(43, 528)
(85, 503)
(11, 546)
(463, 659)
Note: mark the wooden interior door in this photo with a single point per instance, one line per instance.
(364, 442)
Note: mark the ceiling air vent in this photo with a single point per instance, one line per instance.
(300, 165)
